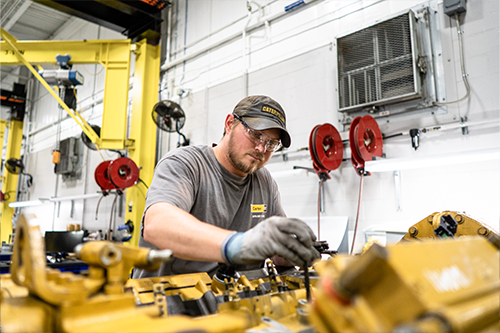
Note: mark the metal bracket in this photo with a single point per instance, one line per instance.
(130, 144)
(465, 129)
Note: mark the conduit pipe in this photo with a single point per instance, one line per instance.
(89, 106)
(234, 36)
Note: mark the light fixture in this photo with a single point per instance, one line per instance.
(17, 204)
(406, 163)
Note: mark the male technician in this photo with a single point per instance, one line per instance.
(218, 204)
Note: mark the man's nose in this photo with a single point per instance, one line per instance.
(261, 146)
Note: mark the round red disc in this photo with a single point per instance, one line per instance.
(356, 159)
(101, 176)
(312, 147)
(123, 172)
(369, 138)
(328, 146)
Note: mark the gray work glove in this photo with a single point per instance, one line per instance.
(289, 238)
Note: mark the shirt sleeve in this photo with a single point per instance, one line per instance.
(174, 182)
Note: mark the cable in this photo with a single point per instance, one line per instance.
(142, 181)
(319, 205)
(464, 75)
(97, 207)
(29, 180)
(118, 152)
(97, 147)
(357, 214)
(111, 216)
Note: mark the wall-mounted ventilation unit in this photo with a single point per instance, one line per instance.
(386, 63)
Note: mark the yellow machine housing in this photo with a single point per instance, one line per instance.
(431, 285)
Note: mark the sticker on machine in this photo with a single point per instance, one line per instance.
(448, 279)
(258, 211)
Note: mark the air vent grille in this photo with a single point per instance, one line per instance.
(376, 64)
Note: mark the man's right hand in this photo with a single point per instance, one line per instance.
(289, 238)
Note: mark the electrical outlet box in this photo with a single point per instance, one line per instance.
(452, 7)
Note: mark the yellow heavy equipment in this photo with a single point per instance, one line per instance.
(438, 284)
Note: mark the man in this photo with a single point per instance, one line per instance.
(218, 204)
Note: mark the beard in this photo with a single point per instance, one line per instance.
(236, 158)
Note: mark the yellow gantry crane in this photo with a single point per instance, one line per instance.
(115, 57)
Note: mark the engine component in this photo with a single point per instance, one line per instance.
(365, 140)
(427, 286)
(326, 149)
(402, 288)
(449, 224)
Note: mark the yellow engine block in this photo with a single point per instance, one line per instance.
(430, 284)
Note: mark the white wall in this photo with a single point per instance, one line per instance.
(293, 60)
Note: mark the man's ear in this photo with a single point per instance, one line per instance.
(228, 124)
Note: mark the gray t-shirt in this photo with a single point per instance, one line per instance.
(192, 179)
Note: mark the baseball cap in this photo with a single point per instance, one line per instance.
(261, 113)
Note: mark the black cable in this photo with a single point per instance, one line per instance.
(117, 151)
(29, 181)
(142, 181)
(391, 136)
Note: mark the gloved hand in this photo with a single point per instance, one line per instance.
(289, 238)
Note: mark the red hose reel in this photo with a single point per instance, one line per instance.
(365, 140)
(326, 149)
(118, 174)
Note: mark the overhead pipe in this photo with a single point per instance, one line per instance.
(234, 36)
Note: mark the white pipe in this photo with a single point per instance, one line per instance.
(257, 25)
(89, 106)
(432, 161)
(244, 37)
(169, 34)
(75, 197)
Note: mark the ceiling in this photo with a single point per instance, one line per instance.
(28, 20)
(57, 19)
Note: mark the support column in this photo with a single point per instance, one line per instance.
(142, 130)
(9, 181)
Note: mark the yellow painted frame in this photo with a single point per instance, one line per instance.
(9, 181)
(142, 129)
(113, 55)
(3, 123)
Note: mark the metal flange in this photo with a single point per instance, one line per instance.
(326, 148)
(365, 140)
(123, 172)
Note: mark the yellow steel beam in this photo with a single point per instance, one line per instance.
(143, 129)
(114, 55)
(73, 114)
(3, 123)
(9, 181)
